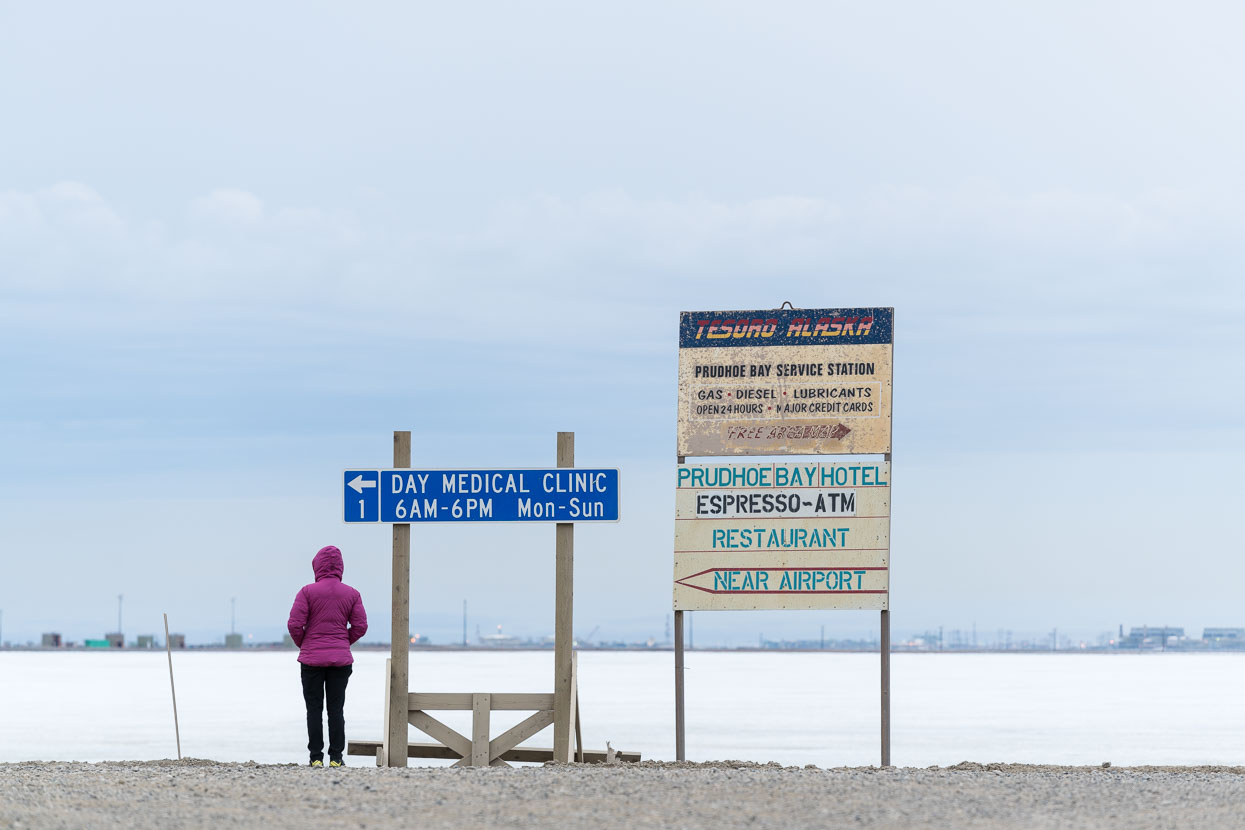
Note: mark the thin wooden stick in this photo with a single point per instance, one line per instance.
(168, 647)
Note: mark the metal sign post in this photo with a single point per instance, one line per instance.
(680, 726)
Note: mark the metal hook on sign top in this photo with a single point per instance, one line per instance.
(786, 304)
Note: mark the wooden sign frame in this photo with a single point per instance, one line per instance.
(403, 708)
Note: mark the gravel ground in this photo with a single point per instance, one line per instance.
(195, 793)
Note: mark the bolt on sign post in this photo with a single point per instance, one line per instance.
(799, 536)
(402, 496)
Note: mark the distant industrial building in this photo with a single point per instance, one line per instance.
(177, 641)
(1150, 637)
(52, 640)
(287, 641)
(146, 641)
(233, 641)
(115, 640)
(499, 640)
(1224, 637)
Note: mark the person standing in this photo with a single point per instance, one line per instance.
(326, 620)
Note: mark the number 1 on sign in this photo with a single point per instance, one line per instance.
(361, 516)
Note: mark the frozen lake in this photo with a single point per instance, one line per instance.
(795, 708)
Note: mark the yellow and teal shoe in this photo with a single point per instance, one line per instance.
(317, 763)
(336, 764)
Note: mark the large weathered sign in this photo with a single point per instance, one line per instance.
(787, 382)
(782, 536)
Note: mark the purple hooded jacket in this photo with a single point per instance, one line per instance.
(322, 611)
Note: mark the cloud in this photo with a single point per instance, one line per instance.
(70, 207)
(229, 206)
(558, 262)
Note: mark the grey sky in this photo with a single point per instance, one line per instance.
(239, 246)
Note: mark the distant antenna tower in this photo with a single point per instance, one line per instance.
(667, 628)
(233, 602)
(120, 597)
(464, 623)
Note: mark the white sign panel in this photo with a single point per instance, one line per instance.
(782, 536)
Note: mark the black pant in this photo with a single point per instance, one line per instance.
(317, 681)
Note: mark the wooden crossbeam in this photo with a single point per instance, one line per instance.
(522, 754)
(461, 701)
(433, 728)
(479, 750)
(519, 733)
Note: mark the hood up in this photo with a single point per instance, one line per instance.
(327, 563)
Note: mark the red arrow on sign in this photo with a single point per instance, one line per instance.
(820, 580)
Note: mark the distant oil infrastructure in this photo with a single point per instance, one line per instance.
(1143, 638)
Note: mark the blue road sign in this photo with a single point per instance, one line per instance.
(559, 494)
(362, 497)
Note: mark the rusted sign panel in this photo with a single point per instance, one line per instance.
(787, 382)
(782, 536)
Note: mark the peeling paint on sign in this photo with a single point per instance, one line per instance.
(799, 382)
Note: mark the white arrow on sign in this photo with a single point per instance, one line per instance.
(357, 483)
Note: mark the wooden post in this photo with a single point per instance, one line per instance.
(579, 731)
(382, 751)
(480, 706)
(400, 631)
(564, 619)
